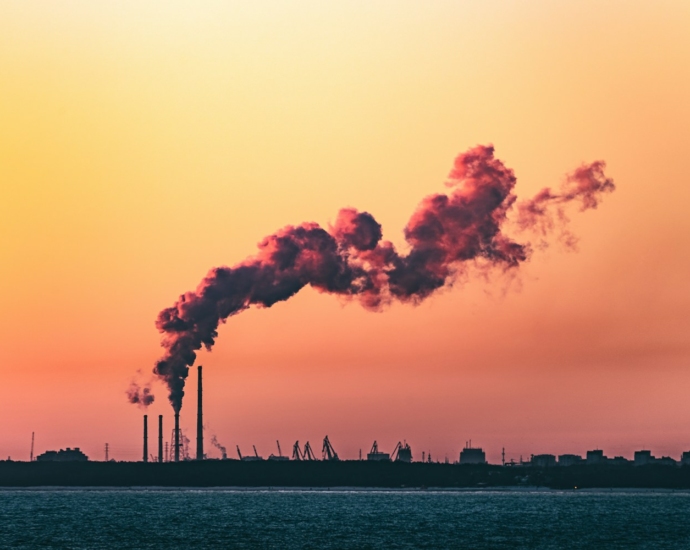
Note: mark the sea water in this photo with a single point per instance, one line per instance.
(340, 518)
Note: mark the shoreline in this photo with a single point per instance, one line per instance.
(344, 490)
(347, 475)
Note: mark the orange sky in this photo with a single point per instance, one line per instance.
(142, 143)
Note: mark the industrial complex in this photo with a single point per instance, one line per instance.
(177, 450)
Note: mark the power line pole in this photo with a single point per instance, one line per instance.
(106, 452)
(31, 458)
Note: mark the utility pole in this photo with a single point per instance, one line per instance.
(106, 452)
(31, 458)
(503, 456)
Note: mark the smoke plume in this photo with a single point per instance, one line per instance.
(217, 445)
(546, 209)
(447, 234)
(184, 445)
(140, 395)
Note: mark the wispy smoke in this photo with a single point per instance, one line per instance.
(447, 234)
(184, 443)
(545, 211)
(217, 445)
(140, 395)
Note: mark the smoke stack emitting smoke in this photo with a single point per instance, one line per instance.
(447, 234)
(217, 445)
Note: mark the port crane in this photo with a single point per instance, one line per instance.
(308, 454)
(248, 458)
(402, 453)
(299, 454)
(280, 456)
(375, 454)
(328, 452)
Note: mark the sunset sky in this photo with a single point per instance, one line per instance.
(143, 143)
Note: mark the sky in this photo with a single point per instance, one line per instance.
(143, 143)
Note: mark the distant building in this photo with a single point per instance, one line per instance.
(595, 457)
(404, 453)
(278, 458)
(665, 461)
(381, 457)
(543, 461)
(377, 455)
(685, 459)
(619, 461)
(470, 455)
(642, 458)
(63, 455)
(569, 460)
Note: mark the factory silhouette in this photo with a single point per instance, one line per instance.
(177, 450)
(447, 232)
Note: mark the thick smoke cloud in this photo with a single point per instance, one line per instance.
(447, 234)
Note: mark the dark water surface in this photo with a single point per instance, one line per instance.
(227, 518)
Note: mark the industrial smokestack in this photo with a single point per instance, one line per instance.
(199, 422)
(160, 438)
(146, 438)
(177, 436)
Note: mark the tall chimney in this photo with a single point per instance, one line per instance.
(146, 438)
(160, 438)
(177, 436)
(199, 422)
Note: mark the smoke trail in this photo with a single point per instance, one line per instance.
(139, 395)
(184, 443)
(447, 234)
(218, 446)
(546, 209)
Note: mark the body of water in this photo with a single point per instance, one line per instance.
(292, 518)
